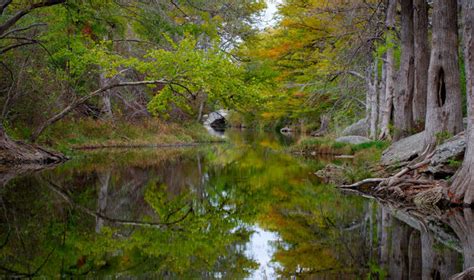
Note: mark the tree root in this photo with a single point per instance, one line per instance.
(404, 186)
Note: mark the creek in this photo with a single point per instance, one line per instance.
(245, 209)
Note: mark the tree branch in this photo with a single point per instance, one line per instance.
(11, 47)
(22, 29)
(83, 99)
(16, 17)
(4, 6)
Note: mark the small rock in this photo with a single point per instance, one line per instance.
(353, 139)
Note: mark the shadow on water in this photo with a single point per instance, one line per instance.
(240, 210)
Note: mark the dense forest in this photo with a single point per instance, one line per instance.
(393, 75)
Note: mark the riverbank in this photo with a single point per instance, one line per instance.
(68, 137)
(402, 172)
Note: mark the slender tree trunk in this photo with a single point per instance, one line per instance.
(3, 134)
(403, 117)
(106, 103)
(386, 225)
(444, 114)
(381, 93)
(422, 61)
(390, 71)
(104, 180)
(373, 100)
(462, 188)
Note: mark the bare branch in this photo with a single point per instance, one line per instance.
(4, 6)
(15, 18)
(22, 29)
(83, 99)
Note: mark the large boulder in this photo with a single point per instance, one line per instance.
(404, 150)
(447, 156)
(353, 139)
(360, 128)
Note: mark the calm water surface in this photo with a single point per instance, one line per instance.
(240, 210)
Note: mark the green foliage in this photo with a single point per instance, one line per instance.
(454, 163)
(379, 145)
(442, 136)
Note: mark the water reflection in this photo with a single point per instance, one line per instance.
(241, 210)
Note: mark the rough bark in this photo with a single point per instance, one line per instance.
(462, 223)
(373, 82)
(381, 93)
(422, 61)
(323, 127)
(106, 102)
(444, 114)
(414, 255)
(468, 274)
(436, 264)
(390, 72)
(399, 267)
(403, 117)
(462, 188)
(13, 152)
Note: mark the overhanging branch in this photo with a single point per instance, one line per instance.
(16, 17)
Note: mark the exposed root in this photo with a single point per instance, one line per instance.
(405, 185)
(465, 275)
(432, 196)
(460, 191)
(367, 183)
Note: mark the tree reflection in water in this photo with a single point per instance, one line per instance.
(182, 213)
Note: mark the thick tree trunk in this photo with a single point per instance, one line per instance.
(436, 264)
(323, 127)
(13, 153)
(390, 71)
(462, 188)
(403, 117)
(399, 265)
(444, 114)
(462, 222)
(422, 61)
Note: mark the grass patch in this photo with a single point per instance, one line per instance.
(327, 146)
(68, 134)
